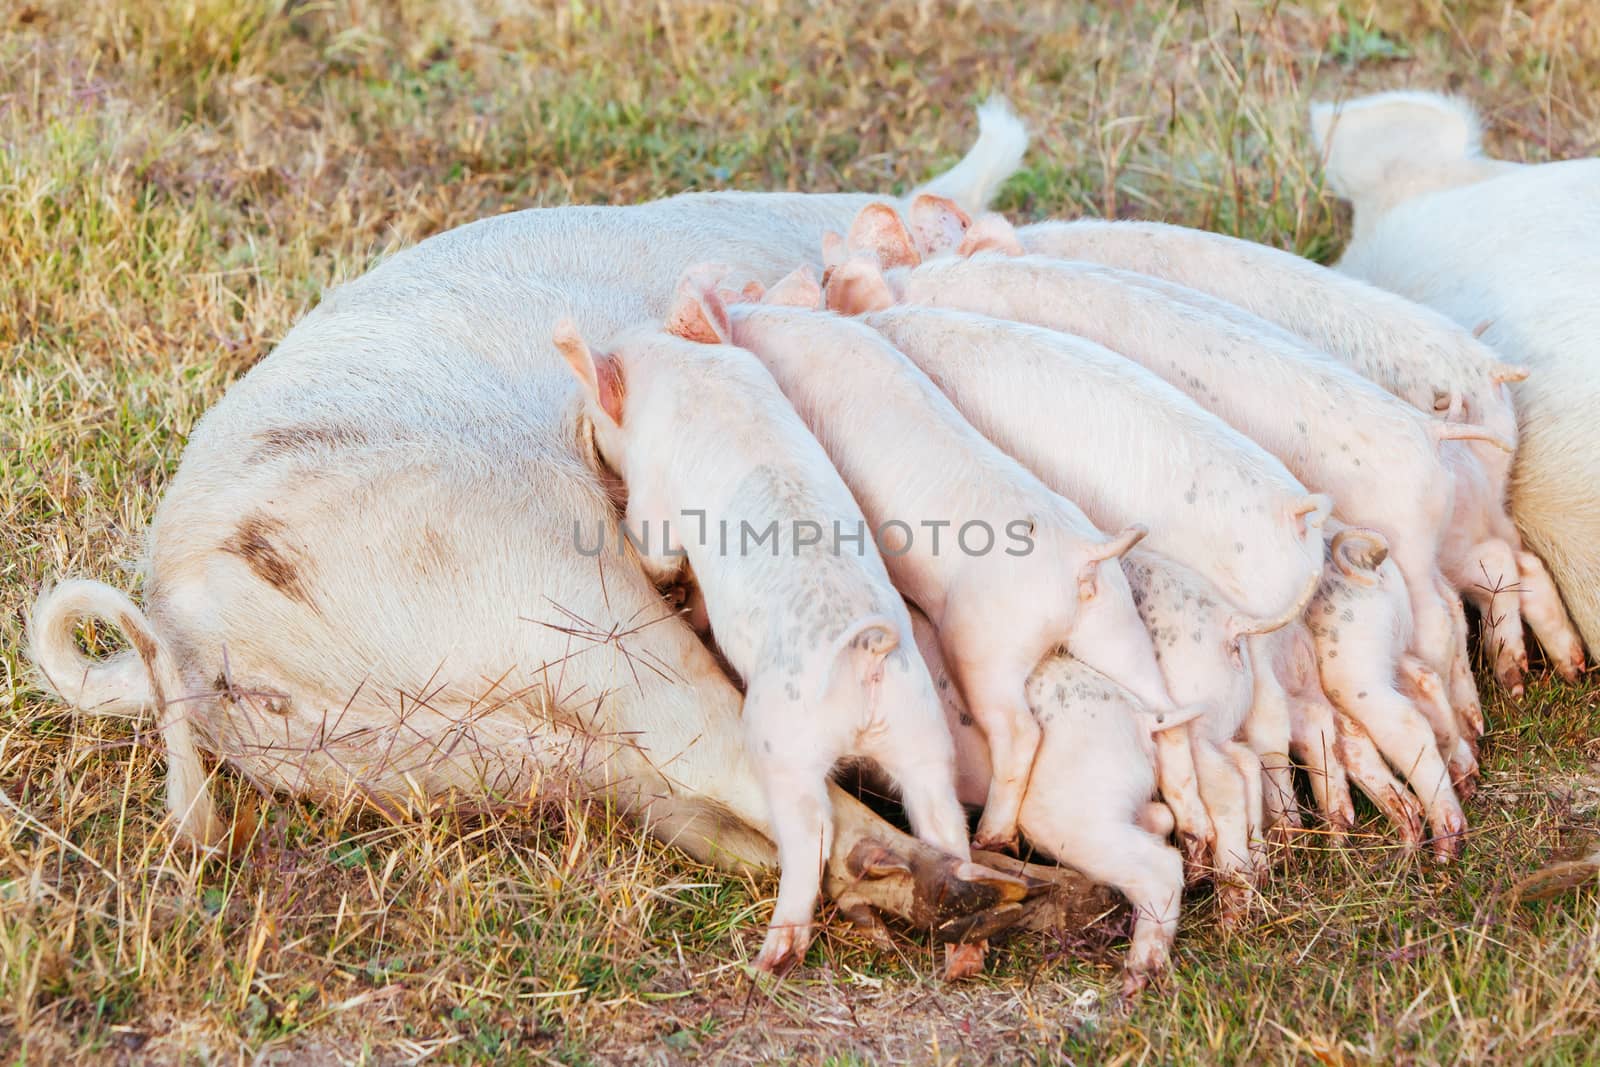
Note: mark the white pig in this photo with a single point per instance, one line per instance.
(1513, 251)
(1021, 570)
(1410, 350)
(1089, 804)
(1360, 624)
(363, 577)
(1336, 431)
(820, 637)
(1124, 445)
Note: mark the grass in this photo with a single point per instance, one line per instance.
(180, 179)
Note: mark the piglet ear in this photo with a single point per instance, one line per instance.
(750, 294)
(991, 233)
(833, 250)
(798, 289)
(697, 312)
(937, 224)
(878, 229)
(599, 376)
(857, 287)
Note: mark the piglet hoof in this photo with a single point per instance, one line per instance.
(1134, 983)
(1196, 857)
(964, 960)
(1233, 903)
(1450, 838)
(784, 947)
(1572, 664)
(1009, 844)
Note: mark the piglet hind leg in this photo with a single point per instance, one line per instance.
(915, 749)
(1227, 802)
(1314, 743)
(1426, 690)
(791, 763)
(992, 682)
(1542, 608)
(1367, 769)
(1488, 579)
(1179, 784)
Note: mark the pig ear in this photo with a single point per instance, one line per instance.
(857, 287)
(750, 294)
(697, 312)
(937, 224)
(991, 233)
(798, 288)
(600, 376)
(833, 250)
(878, 229)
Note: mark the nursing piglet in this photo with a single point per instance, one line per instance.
(1007, 569)
(698, 430)
(1360, 621)
(1336, 431)
(1089, 803)
(1407, 348)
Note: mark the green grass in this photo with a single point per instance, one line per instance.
(179, 179)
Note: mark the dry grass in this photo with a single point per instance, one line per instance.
(178, 181)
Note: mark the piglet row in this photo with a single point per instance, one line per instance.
(1206, 548)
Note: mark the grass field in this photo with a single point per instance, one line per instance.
(180, 179)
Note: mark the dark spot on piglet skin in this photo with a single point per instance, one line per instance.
(257, 541)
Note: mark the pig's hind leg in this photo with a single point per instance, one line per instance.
(1227, 801)
(1488, 579)
(992, 677)
(1542, 607)
(915, 749)
(792, 760)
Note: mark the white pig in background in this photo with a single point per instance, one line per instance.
(1336, 431)
(1036, 574)
(1413, 352)
(1089, 802)
(1508, 249)
(820, 637)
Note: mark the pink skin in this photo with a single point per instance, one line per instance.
(993, 611)
(1088, 804)
(1358, 625)
(1373, 455)
(1314, 739)
(821, 638)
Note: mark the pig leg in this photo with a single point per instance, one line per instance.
(1425, 689)
(1227, 803)
(1314, 743)
(1249, 768)
(1268, 731)
(789, 754)
(1541, 606)
(1178, 780)
(992, 687)
(1403, 736)
(1144, 868)
(1368, 770)
(1463, 686)
(1488, 578)
(920, 756)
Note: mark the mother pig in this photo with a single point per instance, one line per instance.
(375, 571)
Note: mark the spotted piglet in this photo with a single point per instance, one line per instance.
(1089, 803)
(710, 450)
